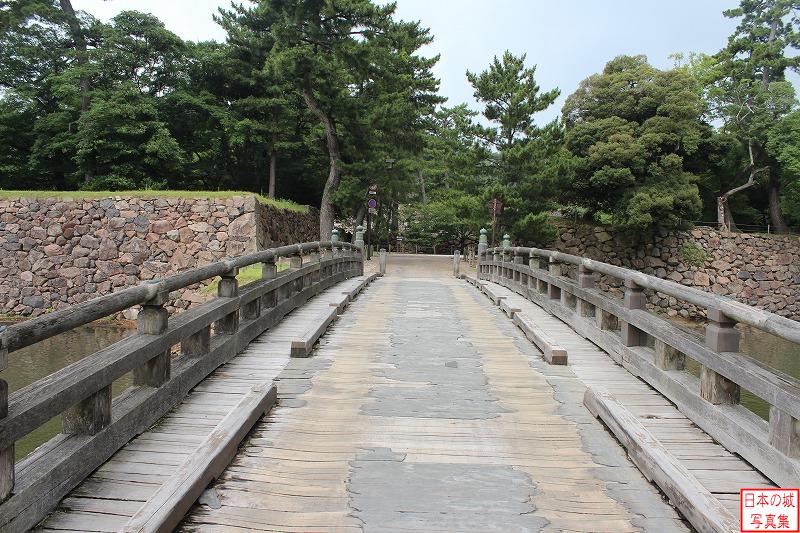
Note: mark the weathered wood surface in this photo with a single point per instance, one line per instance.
(704, 511)
(165, 508)
(737, 428)
(554, 354)
(423, 410)
(723, 476)
(137, 470)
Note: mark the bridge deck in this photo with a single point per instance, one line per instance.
(106, 500)
(719, 471)
(424, 409)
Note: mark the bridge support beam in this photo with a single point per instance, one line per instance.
(634, 299)
(585, 281)
(721, 336)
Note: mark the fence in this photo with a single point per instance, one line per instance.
(94, 426)
(655, 349)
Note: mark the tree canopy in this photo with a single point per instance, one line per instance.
(316, 100)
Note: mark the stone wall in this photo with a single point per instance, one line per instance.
(759, 270)
(277, 227)
(58, 252)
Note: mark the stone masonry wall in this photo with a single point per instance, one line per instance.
(759, 270)
(58, 252)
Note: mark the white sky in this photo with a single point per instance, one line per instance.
(568, 39)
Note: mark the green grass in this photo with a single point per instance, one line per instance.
(77, 195)
(246, 275)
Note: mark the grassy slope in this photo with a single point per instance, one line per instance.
(75, 195)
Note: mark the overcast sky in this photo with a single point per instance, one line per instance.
(567, 39)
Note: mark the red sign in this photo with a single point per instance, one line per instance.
(769, 510)
(495, 206)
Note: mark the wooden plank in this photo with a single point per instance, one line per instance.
(164, 510)
(553, 353)
(696, 503)
(302, 344)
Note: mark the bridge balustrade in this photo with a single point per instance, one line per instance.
(168, 356)
(656, 349)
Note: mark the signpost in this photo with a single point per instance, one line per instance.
(495, 207)
(372, 205)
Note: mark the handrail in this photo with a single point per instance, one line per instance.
(764, 320)
(624, 329)
(32, 331)
(95, 425)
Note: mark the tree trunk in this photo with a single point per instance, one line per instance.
(273, 159)
(362, 211)
(776, 217)
(774, 185)
(273, 155)
(326, 211)
(79, 41)
(724, 216)
(421, 179)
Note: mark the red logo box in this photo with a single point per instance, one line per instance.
(769, 510)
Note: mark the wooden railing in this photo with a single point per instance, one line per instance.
(94, 425)
(656, 349)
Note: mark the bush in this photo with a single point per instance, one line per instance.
(693, 255)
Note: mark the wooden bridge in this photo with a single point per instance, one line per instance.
(520, 397)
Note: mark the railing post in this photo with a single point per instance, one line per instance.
(784, 432)
(721, 336)
(585, 281)
(542, 263)
(269, 271)
(482, 246)
(517, 261)
(359, 241)
(327, 254)
(152, 320)
(634, 300)
(6, 455)
(296, 262)
(533, 279)
(197, 344)
(667, 357)
(228, 288)
(457, 263)
(382, 261)
(334, 251)
(553, 291)
(506, 253)
(316, 275)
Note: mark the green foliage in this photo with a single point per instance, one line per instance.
(693, 254)
(535, 229)
(629, 130)
(451, 219)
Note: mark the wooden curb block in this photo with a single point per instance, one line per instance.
(301, 346)
(164, 510)
(508, 308)
(553, 353)
(492, 295)
(695, 502)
